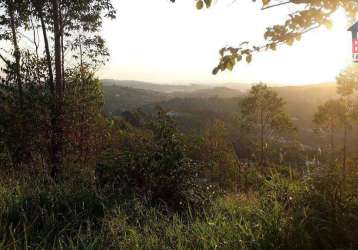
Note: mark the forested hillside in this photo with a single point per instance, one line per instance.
(193, 109)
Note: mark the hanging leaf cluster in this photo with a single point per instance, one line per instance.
(305, 16)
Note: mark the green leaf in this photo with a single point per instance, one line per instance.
(328, 24)
(265, 2)
(208, 3)
(248, 58)
(229, 65)
(273, 46)
(290, 41)
(199, 4)
(222, 51)
(215, 70)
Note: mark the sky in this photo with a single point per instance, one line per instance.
(158, 41)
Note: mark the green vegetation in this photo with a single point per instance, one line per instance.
(151, 186)
(90, 165)
(283, 212)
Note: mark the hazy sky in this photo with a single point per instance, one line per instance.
(155, 40)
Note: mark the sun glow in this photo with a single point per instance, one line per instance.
(319, 57)
(161, 42)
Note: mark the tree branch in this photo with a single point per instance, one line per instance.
(5, 60)
(275, 5)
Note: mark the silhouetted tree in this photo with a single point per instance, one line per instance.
(263, 111)
(330, 118)
(347, 82)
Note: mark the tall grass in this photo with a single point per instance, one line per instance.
(284, 213)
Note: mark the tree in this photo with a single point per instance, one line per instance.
(263, 111)
(340, 114)
(68, 17)
(220, 155)
(60, 22)
(330, 118)
(335, 115)
(12, 15)
(85, 127)
(347, 82)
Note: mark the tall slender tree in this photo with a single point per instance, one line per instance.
(60, 22)
(330, 118)
(347, 84)
(263, 112)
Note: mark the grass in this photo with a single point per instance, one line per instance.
(282, 214)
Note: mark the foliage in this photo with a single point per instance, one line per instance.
(330, 118)
(341, 114)
(218, 152)
(152, 163)
(347, 81)
(87, 130)
(85, 126)
(305, 16)
(153, 186)
(287, 211)
(263, 112)
(31, 123)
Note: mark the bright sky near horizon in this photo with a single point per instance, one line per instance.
(159, 41)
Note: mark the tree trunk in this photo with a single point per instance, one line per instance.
(345, 151)
(332, 144)
(57, 123)
(17, 54)
(47, 52)
(23, 156)
(262, 158)
(62, 49)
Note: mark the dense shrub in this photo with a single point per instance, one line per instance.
(152, 164)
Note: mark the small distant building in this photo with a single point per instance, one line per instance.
(354, 30)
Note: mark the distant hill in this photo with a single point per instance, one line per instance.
(221, 92)
(119, 99)
(166, 88)
(302, 101)
(193, 106)
(314, 94)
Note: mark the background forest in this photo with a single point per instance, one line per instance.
(105, 164)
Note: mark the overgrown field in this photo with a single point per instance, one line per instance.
(285, 212)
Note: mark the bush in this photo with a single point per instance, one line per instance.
(153, 164)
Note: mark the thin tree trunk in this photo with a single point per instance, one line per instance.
(23, 148)
(48, 54)
(36, 43)
(332, 144)
(62, 48)
(57, 133)
(262, 160)
(345, 152)
(238, 187)
(17, 53)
